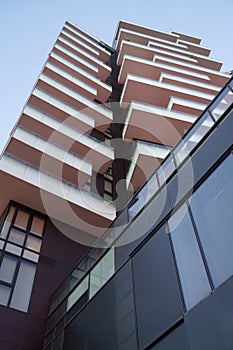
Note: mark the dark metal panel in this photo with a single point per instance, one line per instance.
(101, 320)
(158, 300)
(75, 333)
(176, 340)
(210, 323)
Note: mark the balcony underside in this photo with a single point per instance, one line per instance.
(154, 124)
(73, 206)
(146, 159)
(158, 93)
(99, 154)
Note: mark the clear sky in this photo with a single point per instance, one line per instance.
(29, 28)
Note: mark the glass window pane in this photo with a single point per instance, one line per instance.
(193, 277)
(31, 256)
(4, 294)
(1, 244)
(102, 272)
(11, 248)
(37, 225)
(77, 293)
(7, 223)
(33, 243)
(17, 236)
(192, 138)
(23, 287)
(7, 268)
(211, 205)
(21, 220)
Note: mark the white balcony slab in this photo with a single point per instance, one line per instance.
(155, 124)
(61, 110)
(158, 93)
(186, 106)
(91, 149)
(88, 66)
(204, 61)
(140, 36)
(80, 43)
(57, 73)
(88, 38)
(102, 67)
(186, 37)
(145, 160)
(153, 70)
(217, 78)
(103, 90)
(204, 87)
(49, 156)
(195, 47)
(63, 201)
(100, 112)
(166, 44)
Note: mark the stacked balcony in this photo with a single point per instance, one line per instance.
(52, 153)
(167, 80)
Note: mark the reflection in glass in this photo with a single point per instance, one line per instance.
(37, 226)
(193, 277)
(7, 223)
(192, 138)
(77, 293)
(7, 269)
(21, 220)
(31, 256)
(17, 236)
(4, 294)
(23, 287)
(33, 243)
(102, 272)
(212, 210)
(11, 248)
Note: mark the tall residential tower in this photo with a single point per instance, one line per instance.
(95, 199)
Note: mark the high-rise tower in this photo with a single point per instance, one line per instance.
(99, 121)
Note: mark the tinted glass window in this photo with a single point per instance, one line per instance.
(192, 273)
(212, 207)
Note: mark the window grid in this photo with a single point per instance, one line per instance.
(16, 222)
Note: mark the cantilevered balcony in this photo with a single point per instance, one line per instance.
(195, 48)
(24, 183)
(153, 70)
(158, 93)
(48, 156)
(155, 124)
(98, 153)
(203, 61)
(182, 105)
(190, 38)
(140, 37)
(148, 52)
(101, 113)
(61, 110)
(78, 39)
(146, 158)
(87, 38)
(66, 34)
(189, 83)
(216, 78)
(103, 69)
(103, 90)
(70, 81)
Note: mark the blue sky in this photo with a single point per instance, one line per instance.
(28, 30)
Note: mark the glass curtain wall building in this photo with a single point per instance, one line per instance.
(116, 198)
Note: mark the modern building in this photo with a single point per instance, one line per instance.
(116, 194)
